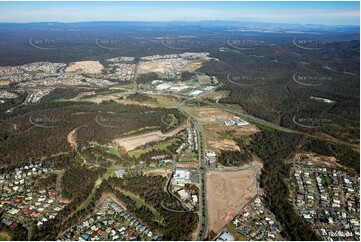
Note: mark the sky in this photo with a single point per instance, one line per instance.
(325, 13)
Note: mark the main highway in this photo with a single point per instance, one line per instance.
(202, 230)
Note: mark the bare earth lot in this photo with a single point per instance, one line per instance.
(209, 114)
(316, 160)
(217, 139)
(86, 67)
(217, 134)
(227, 193)
(147, 67)
(162, 101)
(162, 66)
(158, 172)
(131, 142)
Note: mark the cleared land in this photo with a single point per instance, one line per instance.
(218, 136)
(162, 101)
(316, 160)
(209, 114)
(86, 67)
(217, 139)
(164, 66)
(72, 139)
(4, 83)
(147, 67)
(158, 172)
(227, 193)
(132, 142)
(214, 95)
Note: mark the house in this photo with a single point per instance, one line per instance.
(85, 236)
(211, 157)
(225, 236)
(214, 80)
(260, 235)
(240, 122)
(271, 235)
(69, 234)
(274, 227)
(27, 211)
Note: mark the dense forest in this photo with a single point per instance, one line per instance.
(73, 177)
(46, 181)
(61, 94)
(10, 103)
(273, 148)
(234, 157)
(147, 78)
(176, 226)
(42, 130)
(139, 97)
(261, 82)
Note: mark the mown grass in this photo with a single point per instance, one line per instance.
(163, 146)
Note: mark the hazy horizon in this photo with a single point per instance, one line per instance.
(318, 13)
(178, 21)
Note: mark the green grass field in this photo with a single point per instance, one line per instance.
(113, 151)
(189, 157)
(109, 172)
(139, 202)
(163, 146)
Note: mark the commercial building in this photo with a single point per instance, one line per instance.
(181, 177)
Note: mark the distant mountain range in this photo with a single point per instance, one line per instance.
(228, 25)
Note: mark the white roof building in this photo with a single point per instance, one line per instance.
(184, 195)
(119, 173)
(194, 198)
(163, 86)
(195, 93)
(181, 176)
